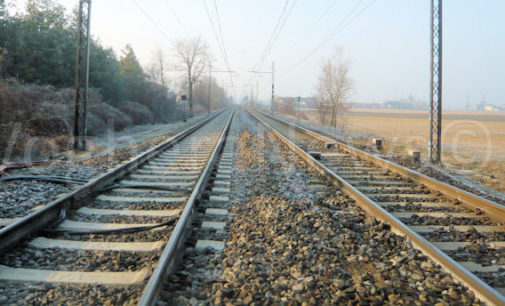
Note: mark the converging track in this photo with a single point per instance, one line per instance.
(124, 229)
(264, 227)
(462, 232)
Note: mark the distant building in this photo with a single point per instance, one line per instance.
(305, 102)
(363, 105)
(490, 108)
(484, 107)
(405, 104)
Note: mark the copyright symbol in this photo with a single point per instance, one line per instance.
(463, 130)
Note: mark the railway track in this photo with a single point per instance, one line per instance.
(114, 240)
(462, 232)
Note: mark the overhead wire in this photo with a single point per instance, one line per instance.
(216, 36)
(152, 20)
(227, 62)
(181, 24)
(341, 26)
(218, 40)
(318, 20)
(279, 25)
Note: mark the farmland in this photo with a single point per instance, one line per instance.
(473, 142)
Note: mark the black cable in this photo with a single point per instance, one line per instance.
(139, 186)
(341, 26)
(44, 178)
(151, 20)
(124, 230)
(177, 17)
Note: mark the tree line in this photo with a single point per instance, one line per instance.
(38, 49)
(38, 46)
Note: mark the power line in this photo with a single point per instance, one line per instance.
(227, 62)
(152, 20)
(216, 36)
(340, 27)
(270, 40)
(221, 33)
(219, 44)
(318, 20)
(282, 25)
(177, 17)
(279, 25)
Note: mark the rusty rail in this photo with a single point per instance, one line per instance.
(481, 289)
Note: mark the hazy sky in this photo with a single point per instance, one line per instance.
(386, 41)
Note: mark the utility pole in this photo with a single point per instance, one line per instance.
(436, 82)
(273, 85)
(86, 87)
(80, 128)
(257, 90)
(298, 111)
(273, 88)
(210, 85)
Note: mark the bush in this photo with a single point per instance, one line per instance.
(96, 126)
(288, 107)
(139, 113)
(18, 102)
(40, 125)
(110, 115)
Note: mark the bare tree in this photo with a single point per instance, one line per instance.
(333, 88)
(157, 69)
(193, 54)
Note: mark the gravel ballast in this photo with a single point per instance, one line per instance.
(292, 244)
(28, 257)
(19, 198)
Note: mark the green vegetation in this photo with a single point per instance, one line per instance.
(37, 75)
(39, 47)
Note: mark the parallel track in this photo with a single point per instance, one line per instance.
(128, 213)
(440, 220)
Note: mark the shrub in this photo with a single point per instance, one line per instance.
(139, 113)
(287, 107)
(96, 126)
(40, 125)
(110, 115)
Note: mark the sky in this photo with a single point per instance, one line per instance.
(387, 43)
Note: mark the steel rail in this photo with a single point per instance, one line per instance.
(38, 220)
(481, 289)
(171, 254)
(496, 211)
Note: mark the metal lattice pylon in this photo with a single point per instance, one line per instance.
(436, 82)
